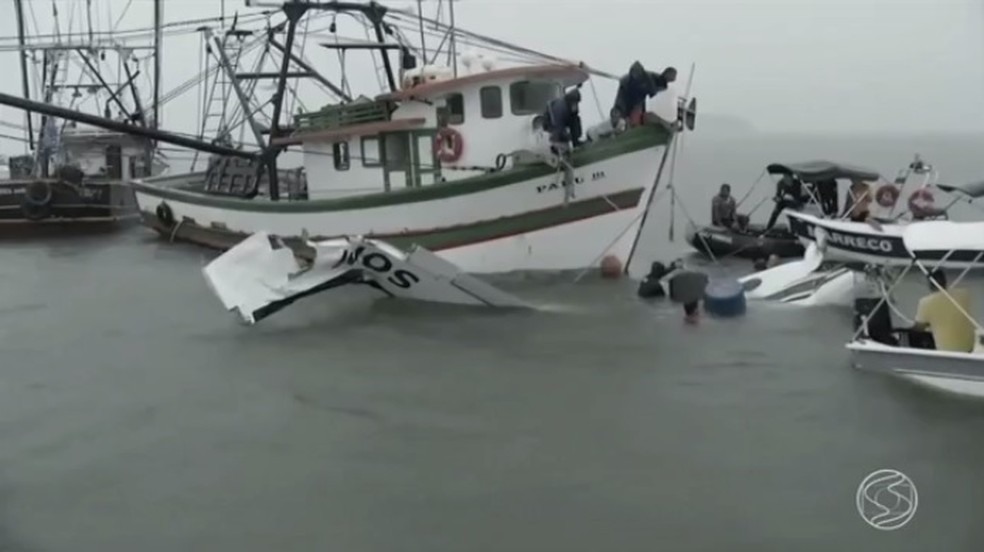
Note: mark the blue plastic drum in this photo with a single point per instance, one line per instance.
(724, 298)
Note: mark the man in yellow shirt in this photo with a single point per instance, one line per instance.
(952, 330)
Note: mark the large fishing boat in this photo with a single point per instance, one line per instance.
(452, 158)
(74, 177)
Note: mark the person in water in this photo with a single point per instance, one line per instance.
(858, 201)
(650, 287)
(633, 90)
(789, 195)
(952, 329)
(687, 287)
(723, 208)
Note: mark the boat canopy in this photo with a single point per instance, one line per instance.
(973, 189)
(815, 171)
(945, 236)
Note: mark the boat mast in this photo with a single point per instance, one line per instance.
(453, 50)
(158, 20)
(18, 6)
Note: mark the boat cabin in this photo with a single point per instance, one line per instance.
(436, 128)
(104, 155)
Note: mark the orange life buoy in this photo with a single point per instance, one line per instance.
(887, 195)
(920, 204)
(448, 144)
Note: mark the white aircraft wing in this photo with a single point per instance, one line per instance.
(258, 277)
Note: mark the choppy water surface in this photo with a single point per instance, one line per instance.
(135, 414)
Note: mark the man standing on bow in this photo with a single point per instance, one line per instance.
(633, 90)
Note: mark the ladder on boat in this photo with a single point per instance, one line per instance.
(215, 112)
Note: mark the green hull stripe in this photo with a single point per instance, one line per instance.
(631, 141)
(519, 224)
(437, 239)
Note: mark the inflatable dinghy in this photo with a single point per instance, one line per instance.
(751, 243)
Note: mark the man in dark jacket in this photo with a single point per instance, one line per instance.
(650, 287)
(563, 120)
(789, 195)
(634, 88)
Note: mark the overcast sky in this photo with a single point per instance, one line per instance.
(784, 65)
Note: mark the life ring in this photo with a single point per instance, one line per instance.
(35, 211)
(920, 204)
(448, 144)
(165, 215)
(38, 193)
(887, 195)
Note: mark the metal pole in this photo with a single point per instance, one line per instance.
(375, 14)
(454, 48)
(294, 14)
(108, 124)
(231, 74)
(649, 202)
(420, 18)
(114, 96)
(314, 72)
(23, 63)
(158, 20)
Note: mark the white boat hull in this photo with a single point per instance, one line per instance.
(852, 242)
(950, 372)
(522, 225)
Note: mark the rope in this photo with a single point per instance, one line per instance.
(754, 185)
(613, 242)
(175, 230)
(594, 92)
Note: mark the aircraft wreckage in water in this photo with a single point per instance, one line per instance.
(261, 275)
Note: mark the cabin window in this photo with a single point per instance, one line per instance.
(397, 151)
(529, 97)
(491, 99)
(455, 111)
(340, 153)
(370, 152)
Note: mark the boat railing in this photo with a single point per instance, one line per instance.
(343, 115)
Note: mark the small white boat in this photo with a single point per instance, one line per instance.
(879, 346)
(821, 277)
